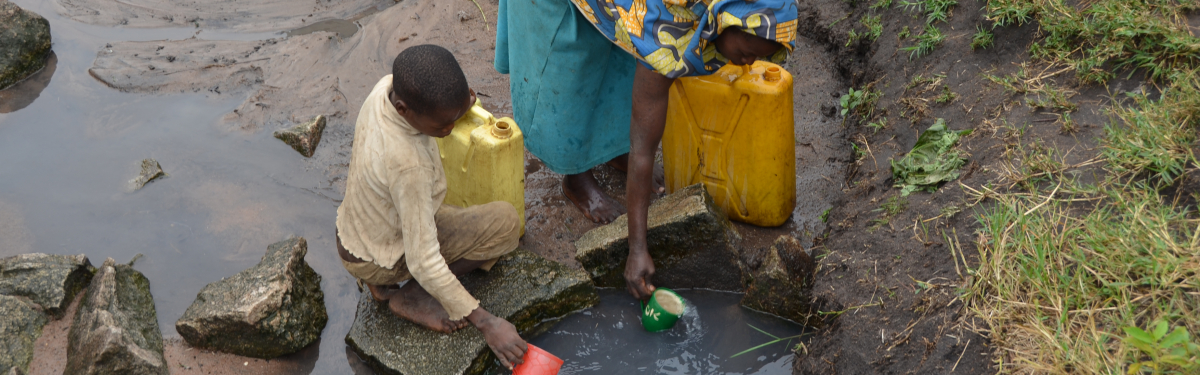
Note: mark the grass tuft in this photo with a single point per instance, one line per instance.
(983, 38)
(1159, 134)
(927, 40)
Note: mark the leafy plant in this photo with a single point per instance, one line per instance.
(927, 40)
(983, 38)
(1174, 352)
(881, 4)
(931, 162)
(861, 102)
(904, 33)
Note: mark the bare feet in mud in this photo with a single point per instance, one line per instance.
(584, 191)
(414, 304)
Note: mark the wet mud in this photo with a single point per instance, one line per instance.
(246, 16)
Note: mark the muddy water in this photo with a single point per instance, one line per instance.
(609, 339)
(68, 154)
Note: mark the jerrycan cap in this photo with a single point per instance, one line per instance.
(772, 74)
(502, 129)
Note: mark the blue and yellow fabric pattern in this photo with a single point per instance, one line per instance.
(675, 37)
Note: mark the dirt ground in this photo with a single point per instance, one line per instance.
(892, 283)
(888, 284)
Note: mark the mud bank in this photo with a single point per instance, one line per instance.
(246, 16)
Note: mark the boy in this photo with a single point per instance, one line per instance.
(392, 225)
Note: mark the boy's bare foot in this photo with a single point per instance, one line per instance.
(414, 304)
(382, 293)
(584, 191)
(621, 164)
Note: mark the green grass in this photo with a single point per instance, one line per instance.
(946, 96)
(1158, 135)
(874, 27)
(983, 38)
(881, 4)
(904, 33)
(893, 206)
(878, 124)
(927, 40)
(1089, 277)
(1108, 36)
(934, 10)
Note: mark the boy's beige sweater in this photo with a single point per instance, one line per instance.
(394, 187)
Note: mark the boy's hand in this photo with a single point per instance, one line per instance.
(501, 337)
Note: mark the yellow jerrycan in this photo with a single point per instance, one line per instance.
(484, 159)
(734, 131)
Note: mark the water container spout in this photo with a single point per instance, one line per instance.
(772, 74)
(502, 130)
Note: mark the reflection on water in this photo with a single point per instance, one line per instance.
(609, 339)
(343, 28)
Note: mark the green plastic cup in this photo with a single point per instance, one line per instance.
(663, 310)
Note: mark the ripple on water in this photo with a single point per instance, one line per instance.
(713, 328)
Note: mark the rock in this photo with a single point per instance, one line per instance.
(150, 171)
(691, 240)
(269, 310)
(782, 283)
(529, 291)
(24, 43)
(304, 137)
(116, 328)
(20, 326)
(51, 281)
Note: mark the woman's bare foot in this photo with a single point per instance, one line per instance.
(584, 191)
(414, 304)
(621, 164)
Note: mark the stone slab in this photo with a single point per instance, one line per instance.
(529, 291)
(691, 240)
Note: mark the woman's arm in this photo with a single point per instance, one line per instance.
(650, 93)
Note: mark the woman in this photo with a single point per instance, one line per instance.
(574, 80)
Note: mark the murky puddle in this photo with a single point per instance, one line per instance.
(609, 339)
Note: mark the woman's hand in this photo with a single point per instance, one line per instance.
(501, 337)
(650, 94)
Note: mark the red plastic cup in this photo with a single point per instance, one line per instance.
(538, 362)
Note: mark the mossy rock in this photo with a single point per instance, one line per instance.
(24, 43)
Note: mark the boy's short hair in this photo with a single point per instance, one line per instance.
(428, 78)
